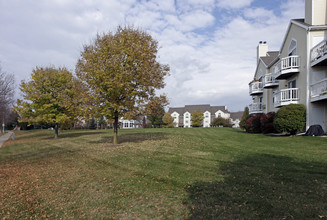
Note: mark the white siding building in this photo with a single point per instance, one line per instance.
(297, 73)
(128, 124)
(182, 115)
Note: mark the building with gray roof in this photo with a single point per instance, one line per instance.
(182, 115)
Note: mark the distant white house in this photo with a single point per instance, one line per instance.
(182, 115)
(129, 124)
(235, 119)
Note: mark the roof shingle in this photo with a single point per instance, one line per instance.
(201, 108)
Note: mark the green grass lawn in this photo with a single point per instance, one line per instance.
(199, 173)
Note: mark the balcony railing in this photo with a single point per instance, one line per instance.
(287, 67)
(286, 97)
(256, 108)
(269, 81)
(255, 88)
(317, 52)
(319, 90)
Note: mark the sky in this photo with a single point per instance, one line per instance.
(210, 45)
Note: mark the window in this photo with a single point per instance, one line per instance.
(131, 125)
(291, 84)
(317, 39)
(260, 99)
(186, 116)
(292, 48)
(276, 68)
(186, 122)
(219, 114)
(207, 115)
(260, 75)
(126, 125)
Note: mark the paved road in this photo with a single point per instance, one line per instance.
(4, 138)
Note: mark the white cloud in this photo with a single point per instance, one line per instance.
(293, 9)
(234, 4)
(196, 19)
(190, 5)
(259, 14)
(211, 55)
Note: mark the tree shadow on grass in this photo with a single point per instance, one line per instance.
(134, 138)
(40, 153)
(262, 187)
(79, 134)
(72, 134)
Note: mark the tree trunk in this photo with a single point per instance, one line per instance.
(56, 130)
(115, 139)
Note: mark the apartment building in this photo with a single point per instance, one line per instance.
(297, 73)
(182, 115)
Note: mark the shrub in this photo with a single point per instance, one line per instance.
(221, 122)
(245, 117)
(290, 119)
(267, 123)
(253, 124)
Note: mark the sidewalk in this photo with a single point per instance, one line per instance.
(5, 137)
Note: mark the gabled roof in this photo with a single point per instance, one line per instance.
(300, 21)
(270, 59)
(201, 108)
(236, 115)
(271, 56)
(302, 24)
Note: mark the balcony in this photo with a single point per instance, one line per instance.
(269, 81)
(286, 97)
(287, 66)
(319, 91)
(255, 88)
(256, 108)
(319, 54)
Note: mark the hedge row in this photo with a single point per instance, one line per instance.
(289, 119)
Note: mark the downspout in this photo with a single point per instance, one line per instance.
(266, 92)
(308, 111)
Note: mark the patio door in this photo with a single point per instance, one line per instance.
(319, 116)
(291, 84)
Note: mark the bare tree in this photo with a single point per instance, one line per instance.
(7, 86)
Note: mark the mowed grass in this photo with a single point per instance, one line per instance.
(198, 173)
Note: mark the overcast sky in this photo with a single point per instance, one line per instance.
(210, 45)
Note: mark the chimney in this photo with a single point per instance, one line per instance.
(262, 50)
(316, 12)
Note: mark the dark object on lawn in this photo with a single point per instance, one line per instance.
(315, 130)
